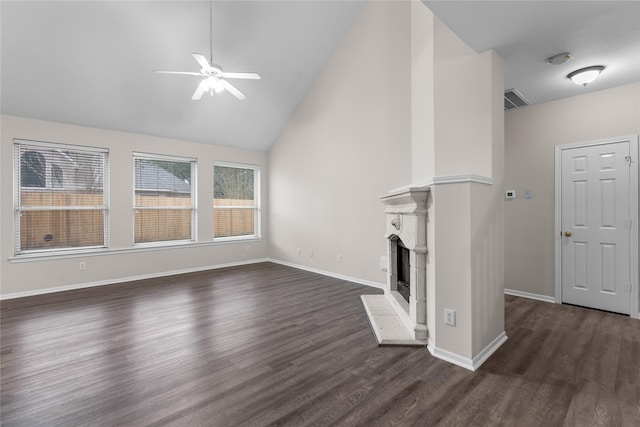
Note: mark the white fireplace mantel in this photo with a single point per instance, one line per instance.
(394, 320)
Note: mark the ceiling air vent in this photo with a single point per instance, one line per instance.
(514, 99)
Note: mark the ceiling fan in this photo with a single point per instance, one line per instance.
(214, 78)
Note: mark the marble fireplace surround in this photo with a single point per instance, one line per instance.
(393, 320)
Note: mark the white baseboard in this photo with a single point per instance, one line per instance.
(328, 273)
(529, 295)
(465, 362)
(126, 279)
(450, 357)
(489, 350)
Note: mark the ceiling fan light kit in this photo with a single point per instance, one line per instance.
(584, 76)
(214, 78)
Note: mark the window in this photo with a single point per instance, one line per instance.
(61, 197)
(163, 198)
(236, 201)
(33, 169)
(57, 176)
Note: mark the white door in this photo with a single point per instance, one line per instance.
(595, 226)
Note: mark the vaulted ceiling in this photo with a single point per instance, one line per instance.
(91, 62)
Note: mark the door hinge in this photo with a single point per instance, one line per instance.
(629, 287)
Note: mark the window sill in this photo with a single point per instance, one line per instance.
(235, 239)
(136, 249)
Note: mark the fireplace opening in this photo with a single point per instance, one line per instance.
(404, 283)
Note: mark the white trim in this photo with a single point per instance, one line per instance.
(59, 145)
(634, 309)
(127, 279)
(454, 179)
(450, 357)
(465, 362)
(236, 238)
(558, 225)
(523, 294)
(167, 157)
(489, 350)
(328, 273)
(236, 165)
(446, 179)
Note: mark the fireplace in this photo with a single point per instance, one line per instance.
(399, 317)
(403, 276)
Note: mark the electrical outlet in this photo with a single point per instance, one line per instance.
(449, 317)
(83, 265)
(339, 259)
(248, 248)
(299, 251)
(310, 254)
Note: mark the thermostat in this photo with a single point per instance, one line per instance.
(510, 194)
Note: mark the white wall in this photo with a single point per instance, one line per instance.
(18, 277)
(423, 163)
(467, 253)
(402, 100)
(347, 144)
(531, 133)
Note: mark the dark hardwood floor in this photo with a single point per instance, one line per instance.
(271, 345)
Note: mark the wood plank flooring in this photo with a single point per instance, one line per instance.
(268, 345)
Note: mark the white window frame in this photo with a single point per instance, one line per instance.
(256, 199)
(18, 208)
(194, 206)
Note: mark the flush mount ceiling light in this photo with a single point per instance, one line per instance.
(584, 76)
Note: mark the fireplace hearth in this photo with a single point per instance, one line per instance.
(399, 317)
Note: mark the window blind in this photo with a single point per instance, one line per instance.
(163, 198)
(60, 197)
(235, 200)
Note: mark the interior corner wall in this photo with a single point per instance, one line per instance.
(423, 167)
(122, 261)
(466, 217)
(460, 110)
(347, 144)
(487, 218)
(531, 134)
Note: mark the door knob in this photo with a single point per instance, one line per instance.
(567, 233)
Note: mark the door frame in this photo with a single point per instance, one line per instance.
(635, 227)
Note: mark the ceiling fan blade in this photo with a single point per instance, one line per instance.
(232, 89)
(251, 76)
(202, 61)
(202, 88)
(188, 73)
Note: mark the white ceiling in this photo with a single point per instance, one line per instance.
(91, 62)
(526, 33)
